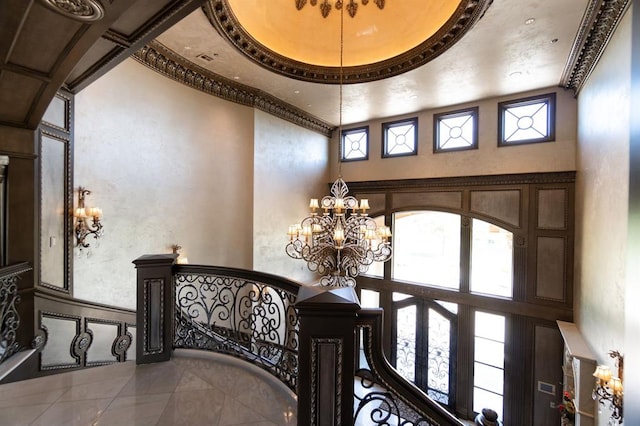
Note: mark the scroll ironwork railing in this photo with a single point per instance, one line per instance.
(9, 317)
(382, 396)
(246, 314)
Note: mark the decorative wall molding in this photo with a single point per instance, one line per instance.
(166, 62)
(463, 19)
(598, 24)
(411, 185)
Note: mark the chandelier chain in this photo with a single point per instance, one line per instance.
(341, 93)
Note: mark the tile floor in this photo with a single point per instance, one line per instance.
(188, 390)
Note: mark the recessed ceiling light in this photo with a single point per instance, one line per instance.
(529, 21)
(236, 77)
(553, 41)
(296, 91)
(515, 74)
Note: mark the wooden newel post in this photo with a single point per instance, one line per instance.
(327, 354)
(154, 316)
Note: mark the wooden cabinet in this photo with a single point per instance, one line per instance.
(578, 367)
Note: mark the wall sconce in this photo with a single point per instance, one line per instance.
(610, 388)
(176, 250)
(82, 213)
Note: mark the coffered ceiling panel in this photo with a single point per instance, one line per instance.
(15, 104)
(11, 14)
(140, 13)
(44, 36)
(47, 44)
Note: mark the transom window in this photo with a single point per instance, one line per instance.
(428, 251)
(527, 120)
(426, 247)
(455, 131)
(400, 138)
(491, 259)
(355, 144)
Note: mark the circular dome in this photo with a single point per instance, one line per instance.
(383, 38)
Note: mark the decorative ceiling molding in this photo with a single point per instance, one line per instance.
(463, 19)
(168, 63)
(80, 10)
(598, 24)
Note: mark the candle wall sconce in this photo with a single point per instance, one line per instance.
(87, 220)
(176, 250)
(609, 388)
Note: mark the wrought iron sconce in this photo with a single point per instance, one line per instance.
(83, 214)
(609, 388)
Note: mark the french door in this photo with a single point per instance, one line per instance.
(423, 345)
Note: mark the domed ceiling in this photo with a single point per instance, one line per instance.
(312, 40)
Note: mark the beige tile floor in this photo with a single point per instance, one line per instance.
(188, 390)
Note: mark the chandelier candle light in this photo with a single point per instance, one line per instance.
(341, 242)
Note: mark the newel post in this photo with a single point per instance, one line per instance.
(326, 356)
(155, 300)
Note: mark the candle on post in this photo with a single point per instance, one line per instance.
(313, 205)
(364, 206)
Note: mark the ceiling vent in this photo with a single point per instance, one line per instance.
(205, 57)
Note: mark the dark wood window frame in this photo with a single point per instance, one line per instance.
(385, 137)
(437, 118)
(548, 98)
(526, 314)
(347, 132)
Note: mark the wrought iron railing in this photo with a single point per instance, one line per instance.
(9, 317)
(246, 314)
(382, 396)
(254, 316)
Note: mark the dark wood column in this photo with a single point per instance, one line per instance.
(326, 355)
(154, 317)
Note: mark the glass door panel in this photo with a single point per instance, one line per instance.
(406, 342)
(423, 345)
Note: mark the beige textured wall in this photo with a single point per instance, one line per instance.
(167, 164)
(290, 167)
(602, 198)
(488, 159)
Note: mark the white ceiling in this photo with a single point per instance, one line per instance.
(501, 55)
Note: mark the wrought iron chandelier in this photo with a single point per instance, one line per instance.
(343, 241)
(325, 5)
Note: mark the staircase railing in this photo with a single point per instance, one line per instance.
(249, 315)
(383, 396)
(304, 336)
(9, 317)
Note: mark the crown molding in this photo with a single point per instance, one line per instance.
(226, 24)
(168, 63)
(598, 25)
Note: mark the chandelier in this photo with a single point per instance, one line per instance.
(325, 5)
(342, 242)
